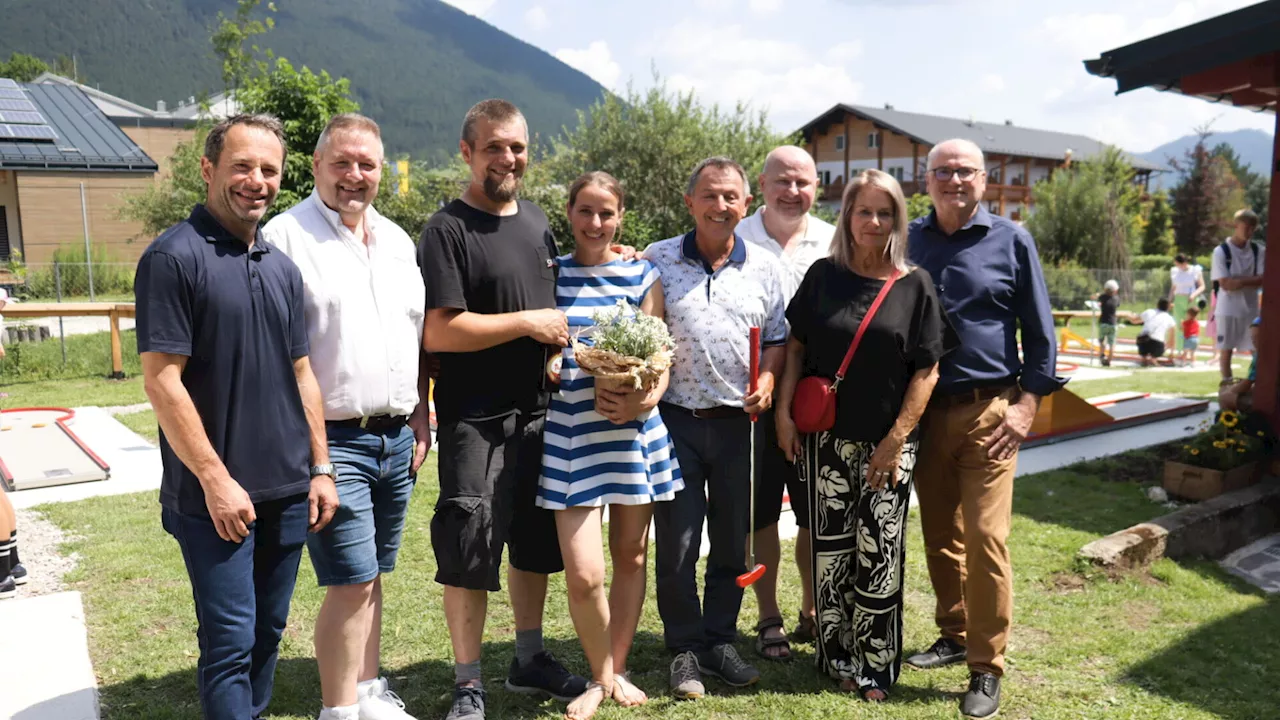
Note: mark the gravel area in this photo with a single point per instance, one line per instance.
(126, 409)
(38, 541)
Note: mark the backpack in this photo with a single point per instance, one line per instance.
(1226, 258)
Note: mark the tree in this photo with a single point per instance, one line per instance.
(22, 67)
(918, 206)
(429, 190)
(1088, 214)
(650, 141)
(1157, 228)
(169, 199)
(1257, 187)
(1206, 196)
(304, 102)
(239, 63)
(67, 66)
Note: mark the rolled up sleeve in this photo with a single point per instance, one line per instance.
(1035, 317)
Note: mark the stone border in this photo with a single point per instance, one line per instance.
(1210, 529)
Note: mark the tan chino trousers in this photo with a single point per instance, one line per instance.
(966, 504)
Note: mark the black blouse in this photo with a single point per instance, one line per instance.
(909, 332)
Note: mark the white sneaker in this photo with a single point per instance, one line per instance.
(345, 713)
(382, 704)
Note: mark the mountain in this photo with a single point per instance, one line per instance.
(1253, 146)
(415, 66)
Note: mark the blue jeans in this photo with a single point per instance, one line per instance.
(374, 487)
(242, 593)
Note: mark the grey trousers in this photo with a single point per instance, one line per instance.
(716, 465)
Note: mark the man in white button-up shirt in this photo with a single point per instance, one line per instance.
(784, 227)
(364, 314)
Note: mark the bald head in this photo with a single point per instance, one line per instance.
(789, 182)
(958, 146)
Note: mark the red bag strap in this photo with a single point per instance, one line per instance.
(862, 327)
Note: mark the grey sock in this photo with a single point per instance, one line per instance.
(528, 644)
(467, 673)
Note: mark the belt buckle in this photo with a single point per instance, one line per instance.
(364, 422)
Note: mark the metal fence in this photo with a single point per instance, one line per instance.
(76, 281)
(1070, 288)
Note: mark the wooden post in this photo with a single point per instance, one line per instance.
(847, 140)
(1004, 180)
(879, 148)
(1266, 393)
(915, 164)
(117, 359)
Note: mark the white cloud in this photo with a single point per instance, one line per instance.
(536, 18)
(596, 61)
(472, 7)
(844, 52)
(992, 83)
(764, 7)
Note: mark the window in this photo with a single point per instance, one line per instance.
(897, 173)
(824, 177)
(840, 142)
(873, 140)
(4, 235)
(994, 174)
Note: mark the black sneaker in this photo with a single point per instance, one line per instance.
(19, 573)
(943, 652)
(724, 662)
(468, 703)
(8, 588)
(545, 676)
(983, 698)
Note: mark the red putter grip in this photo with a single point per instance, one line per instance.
(754, 363)
(749, 578)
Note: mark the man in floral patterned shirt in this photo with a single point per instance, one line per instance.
(717, 286)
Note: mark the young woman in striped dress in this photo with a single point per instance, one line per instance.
(612, 450)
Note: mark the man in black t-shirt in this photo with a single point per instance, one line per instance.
(488, 262)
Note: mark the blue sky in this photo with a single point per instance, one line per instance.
(992, 59)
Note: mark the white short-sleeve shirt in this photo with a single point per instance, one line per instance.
(1184, 281)
(1242, 303)
(364, 308)
(815, 244)
(710, 315)
(1156, 324)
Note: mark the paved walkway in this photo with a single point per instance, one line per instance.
(47, 674)
(1259, 563)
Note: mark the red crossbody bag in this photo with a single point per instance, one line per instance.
(813, 407)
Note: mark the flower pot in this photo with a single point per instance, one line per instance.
(1197, 483)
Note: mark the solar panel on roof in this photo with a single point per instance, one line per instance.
(5, 132)
(22, 118)
(12, 94)
(17, 105)
(9, 84)
(31, 132)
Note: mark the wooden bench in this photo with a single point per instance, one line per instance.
(111, 311)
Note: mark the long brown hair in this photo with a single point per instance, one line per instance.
(601, 179)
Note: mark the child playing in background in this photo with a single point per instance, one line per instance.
(1190, 336)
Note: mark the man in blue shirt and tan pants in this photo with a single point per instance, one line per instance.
(988, 275)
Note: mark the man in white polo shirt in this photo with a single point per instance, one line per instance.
(784, 227)
(717, 287)
(364, 314)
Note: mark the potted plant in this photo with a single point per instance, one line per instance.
(1222, 457)
(628, 350)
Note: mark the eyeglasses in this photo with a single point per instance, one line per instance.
(964, 173)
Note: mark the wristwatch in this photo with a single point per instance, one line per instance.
(326, 469)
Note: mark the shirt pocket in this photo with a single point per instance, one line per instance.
(546, 265)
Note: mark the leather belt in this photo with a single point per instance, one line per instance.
(373, 423)
(719, 412)
(968, 397)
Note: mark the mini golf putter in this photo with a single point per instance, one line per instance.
(748, 578)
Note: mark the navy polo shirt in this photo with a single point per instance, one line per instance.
(237, 314)
(989, 279)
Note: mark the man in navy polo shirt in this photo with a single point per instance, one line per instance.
(242, 438)
(988, 276)
(717, 287)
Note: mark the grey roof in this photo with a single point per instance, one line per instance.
(992, 137)
(87, 139)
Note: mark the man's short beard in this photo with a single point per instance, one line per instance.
(497, 192)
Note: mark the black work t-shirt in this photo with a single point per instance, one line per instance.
(236, 313)
(909, 333)
(1109, 303)
(490, 264)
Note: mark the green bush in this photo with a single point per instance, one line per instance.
(110, 275)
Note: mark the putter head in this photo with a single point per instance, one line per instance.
(747, 579)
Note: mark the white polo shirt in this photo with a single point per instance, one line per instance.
(815, 244)
(364, 308)
(710, 315)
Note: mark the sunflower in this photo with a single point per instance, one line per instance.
(1195, 451)
(1230, 419)
(1219, 445)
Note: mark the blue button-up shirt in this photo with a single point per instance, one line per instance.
(989, 278)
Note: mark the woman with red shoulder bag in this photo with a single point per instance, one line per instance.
(867, 331)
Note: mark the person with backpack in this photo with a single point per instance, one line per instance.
(1237, 276)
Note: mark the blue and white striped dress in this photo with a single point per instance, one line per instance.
(586, 460)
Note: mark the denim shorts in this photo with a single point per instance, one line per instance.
(374, 487)
(1191, 343)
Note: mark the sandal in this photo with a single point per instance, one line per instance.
(806, 630)
(764, 644)
(605, 694)
(871, 693)
(622, 682)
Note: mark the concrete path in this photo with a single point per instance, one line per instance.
(47, 674)
(1259, 563)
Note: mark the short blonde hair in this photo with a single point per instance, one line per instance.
(1247, 216)
(896, 248)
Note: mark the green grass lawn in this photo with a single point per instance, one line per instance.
(143, 423)
(88, 356)
(1189, 384)
(1185, 641)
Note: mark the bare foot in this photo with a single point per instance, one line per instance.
(585, 705)
(625, 692)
